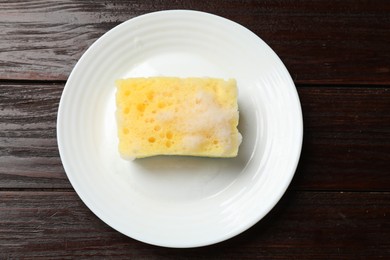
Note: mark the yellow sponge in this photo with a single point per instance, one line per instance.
(177, 116)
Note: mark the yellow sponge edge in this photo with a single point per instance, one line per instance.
(177, 116)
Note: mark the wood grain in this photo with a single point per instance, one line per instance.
(29, 155)
(304, 225)
(321, 42)
(346, 138)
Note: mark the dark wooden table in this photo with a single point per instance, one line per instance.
(338, 205)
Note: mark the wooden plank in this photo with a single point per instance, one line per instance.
(29, 155)
(346, 138)
(344, 42)
(303, 225)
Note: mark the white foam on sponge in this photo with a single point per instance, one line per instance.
(207, 113)
(193, 141)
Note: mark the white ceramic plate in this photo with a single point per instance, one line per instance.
(180, 201)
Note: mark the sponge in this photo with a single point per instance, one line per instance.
(177, 116)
